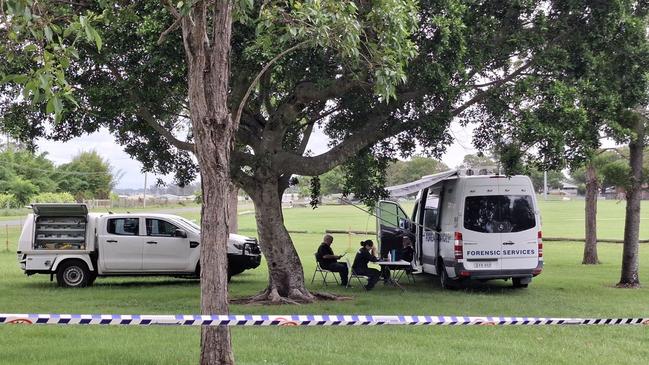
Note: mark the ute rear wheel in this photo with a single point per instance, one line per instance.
(73, 274)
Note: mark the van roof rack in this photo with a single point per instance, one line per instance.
(480, 171)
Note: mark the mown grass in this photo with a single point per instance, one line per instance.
(566, 288)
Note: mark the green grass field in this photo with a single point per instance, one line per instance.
(565, 288)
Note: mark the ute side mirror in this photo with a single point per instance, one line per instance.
(404, 224)
(180, 233)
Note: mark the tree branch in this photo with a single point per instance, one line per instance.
(146, 115)
(305, 139)
(169, 6)
(481, 95)
(173, 27)
(289, 162)
(237, 116)
(182, 145)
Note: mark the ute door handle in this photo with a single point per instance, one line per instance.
(111, 241)
(152, 242)
(508, 243)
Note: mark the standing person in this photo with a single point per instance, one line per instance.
(329, 261)
(363, 257)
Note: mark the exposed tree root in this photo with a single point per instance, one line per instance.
(628, 285)
(591, 262)
(271, 296)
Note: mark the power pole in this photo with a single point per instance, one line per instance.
(144, 202)
(545, 185)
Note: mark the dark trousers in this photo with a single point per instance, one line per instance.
(385, 272)
(338, 267)
(372, 275)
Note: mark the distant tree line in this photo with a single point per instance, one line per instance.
(27, 177)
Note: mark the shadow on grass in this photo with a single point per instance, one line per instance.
(145, 284)
(431, 283)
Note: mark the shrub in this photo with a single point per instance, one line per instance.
(53, 198)
(8, 201)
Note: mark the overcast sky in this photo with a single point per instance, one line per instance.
(105, 145)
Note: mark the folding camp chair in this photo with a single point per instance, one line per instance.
(353, 275)
(323, 272)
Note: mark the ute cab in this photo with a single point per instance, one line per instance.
(467, 226)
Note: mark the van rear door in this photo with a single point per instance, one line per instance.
(520, 228)
(481, 238)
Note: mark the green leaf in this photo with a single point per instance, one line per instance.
(49, 109)
(48, 33)
(58, 105)
(98, 41)
(31, 48)
(90, 36)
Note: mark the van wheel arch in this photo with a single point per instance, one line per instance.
(73, 273)
(445, 282)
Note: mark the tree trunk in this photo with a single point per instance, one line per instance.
(629, 277)
(592, 187)
(233, 202)
(208, 80)
(285, 273)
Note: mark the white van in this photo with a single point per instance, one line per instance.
(76, 246)
(467, 226)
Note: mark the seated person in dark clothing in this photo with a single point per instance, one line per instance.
(407, 251)
(363, 257)
(329, 261)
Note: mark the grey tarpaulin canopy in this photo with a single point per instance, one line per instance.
(398, 191)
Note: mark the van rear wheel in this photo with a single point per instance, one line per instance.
(445, 281)
(73, 274)
(518, 283)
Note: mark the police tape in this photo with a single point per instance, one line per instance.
(303, 320)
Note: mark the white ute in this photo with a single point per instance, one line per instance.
(76, 246)
(467, 226)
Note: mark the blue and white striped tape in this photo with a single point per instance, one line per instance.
(304, 320)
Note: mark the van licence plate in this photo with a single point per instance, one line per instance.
(482, 265)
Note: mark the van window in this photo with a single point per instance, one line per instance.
(160, 228)
(499, 213)
(431, 212)
(391, 214)
(430, 218)
(124, 226)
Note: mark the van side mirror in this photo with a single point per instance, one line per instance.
(180, 233)
(404, 224)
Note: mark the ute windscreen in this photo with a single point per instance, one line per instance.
(499, 213)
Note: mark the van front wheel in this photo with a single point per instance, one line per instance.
(73, 274)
